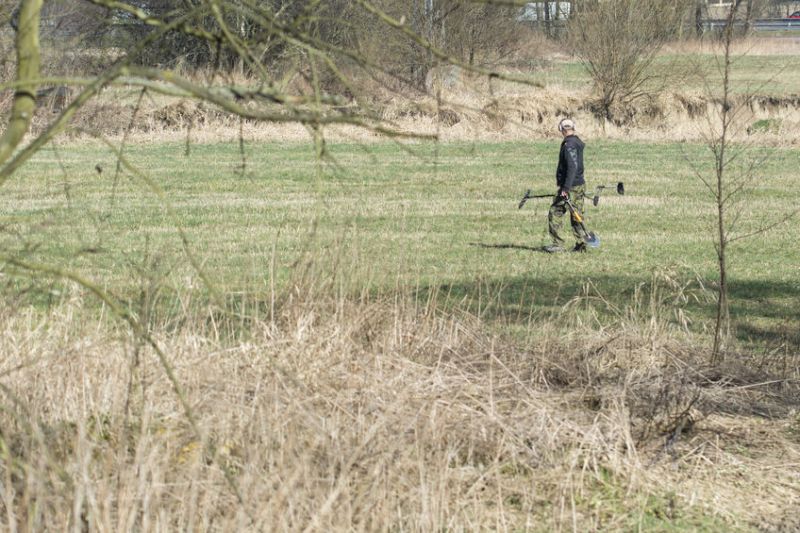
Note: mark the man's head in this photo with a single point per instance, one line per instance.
(566, 127)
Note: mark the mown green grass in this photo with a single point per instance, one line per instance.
(769, 75)
(422, 216)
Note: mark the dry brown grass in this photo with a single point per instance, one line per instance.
(321, 412)
(467, 110)
(457, 107)
(755, 45)
(386, 413)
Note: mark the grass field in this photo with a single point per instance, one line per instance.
(225, 337)
(395, 352)
(753, 71)
(424, 216)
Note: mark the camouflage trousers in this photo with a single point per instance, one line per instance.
(555, 216)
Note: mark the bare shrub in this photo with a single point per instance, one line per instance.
(617, 41)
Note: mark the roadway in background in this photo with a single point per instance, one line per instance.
(757, 25)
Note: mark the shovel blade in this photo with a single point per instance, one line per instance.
(591, 240)
(620, 188)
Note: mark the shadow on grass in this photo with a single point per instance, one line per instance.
(763, 312)
(508, 246)
(760, 384)
(766, 312)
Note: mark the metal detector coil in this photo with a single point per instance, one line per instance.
(599, 189)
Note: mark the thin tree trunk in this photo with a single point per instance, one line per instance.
(27, 45)
(748, 17)
(428, 32)
(722, 325)
(698, 18)
(547, 26)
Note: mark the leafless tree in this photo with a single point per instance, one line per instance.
(698, 17)
(735, 172)
(617, 42)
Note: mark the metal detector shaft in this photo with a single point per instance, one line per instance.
(529, 196)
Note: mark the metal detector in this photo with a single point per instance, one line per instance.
(589, 237)
(599, 189)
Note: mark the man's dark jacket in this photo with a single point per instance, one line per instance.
(570, 163)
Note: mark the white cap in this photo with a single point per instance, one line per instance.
(566, 124)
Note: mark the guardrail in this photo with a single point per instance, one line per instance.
(758, 25)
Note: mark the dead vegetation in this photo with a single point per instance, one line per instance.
(326, 413)
(467, 109)
(453, 103)
(319, 412)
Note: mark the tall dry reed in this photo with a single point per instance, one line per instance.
(374, 413)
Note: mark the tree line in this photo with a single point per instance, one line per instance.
(473, 32)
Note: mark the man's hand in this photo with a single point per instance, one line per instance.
(563, 193)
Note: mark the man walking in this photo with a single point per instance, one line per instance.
(571, 185)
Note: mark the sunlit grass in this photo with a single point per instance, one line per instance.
(751, 73)
(423, 215)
